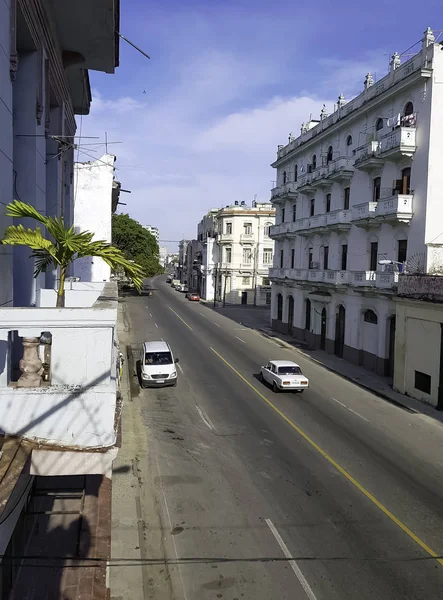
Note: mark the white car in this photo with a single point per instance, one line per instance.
(284, 375)
(157, 365)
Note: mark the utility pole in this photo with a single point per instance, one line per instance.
(215, 285)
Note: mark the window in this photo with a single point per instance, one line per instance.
(347, 198)
(268, 298)
(229, 228)
(308, 314)
(266, 281)
(379, 124)
(309, 168)
(329, 155)
(228, 254)
(373, 257)
(402, 251)
(294, 213)
(325, 257)
(246, 281)
(422, 382)
(268, 229)
(370, 317)
(282, 256)
(247, 228)
(409, 109)
(376, 189)
(405, 187)
(310, 255)
(247, 256)
(314, 162)
(328, 203)
(292, 258)
(283, 215)
(268, 256)
(295, 173)
(289, 371)
(312, 207)
(279, 307)
(158, 358)
(349, 140)
(344, 257)
(285, 177)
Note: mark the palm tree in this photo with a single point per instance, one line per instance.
(65, 246)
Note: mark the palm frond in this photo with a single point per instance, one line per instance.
(17, 235)
(23, 209)
(43, 259)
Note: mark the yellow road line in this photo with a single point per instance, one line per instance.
(335, 464)
(182, 320)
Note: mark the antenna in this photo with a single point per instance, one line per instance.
(106, 142)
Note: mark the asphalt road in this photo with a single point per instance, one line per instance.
(330, 494)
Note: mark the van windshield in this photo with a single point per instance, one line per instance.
(158, 358)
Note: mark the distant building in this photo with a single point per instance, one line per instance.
(163, 255)
(153, 231)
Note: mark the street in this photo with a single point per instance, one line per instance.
(330, 494)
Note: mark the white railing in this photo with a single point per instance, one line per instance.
(246, 237)
(317, 221)
(337, 277)
(316, 275)
(225, 237)
(364, 278)
(387, 280)
(338, 216)
(288, 188)
(339, 165)
(63, 392)
(402, 139)
(399, 204)
(364, 211)
(367, 151)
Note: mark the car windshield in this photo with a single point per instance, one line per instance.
(289, 371)
(158, 358)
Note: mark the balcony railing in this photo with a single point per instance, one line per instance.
(364, 278)
(386, 280)
(286, 190)
(224, 238)
(63, 390)
(337, 277)
(398, 207)
(367, 156)
(316, 275)
(338, 217)
(340, 169)
(246, 237)
(398, 143)
(366, 210)
(304, 182)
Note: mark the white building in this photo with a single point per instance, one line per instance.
(206, 234)
(241, 253)
(356, 190)
(95, 194)
(163, 255)
(153, 231)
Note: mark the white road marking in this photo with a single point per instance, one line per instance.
(180, 367)
(350, 410)
(204, 417)
(241, 329)
(150, 314)
(217, 324)
(240, 340)
(156, 325)
(294, 566)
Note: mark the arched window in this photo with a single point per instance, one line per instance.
(329, 155)
(267, 228)
(295, 172)
(409, 109)
(349, 140)
(307, 314)
(314, 162)
(379, 124)
(370, 317)
(279, 307)
(284, 177)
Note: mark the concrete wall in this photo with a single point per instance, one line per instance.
(93, 212)
(78, 294)
(418, 347)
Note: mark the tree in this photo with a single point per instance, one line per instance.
(63, 247)
(136, 243)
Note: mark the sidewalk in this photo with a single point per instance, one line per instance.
(258, 317)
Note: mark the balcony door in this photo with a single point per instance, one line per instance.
(406, 181)
(290, 313)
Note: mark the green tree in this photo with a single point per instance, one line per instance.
(63, 246)
(136, 243)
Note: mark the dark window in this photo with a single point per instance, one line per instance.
(347, 198)
(402, 251)
(308, 314)
(328, 203)
(295, 173)
(374, 255)
(344, 257)
(289, 371)
(379, 124)
(279, 307)
(284, 176)
(281, 258)
(292, 258)
(405, 187)
(158, 358)
(310, 252)
(325, 257)
(312, 207)
(283, 215)
(370, 317)
(376, 189)
(349, 140)
(329, 155)
(309, 168)
(294, 212)
(314, 162)
(409, 109)
(422, 382)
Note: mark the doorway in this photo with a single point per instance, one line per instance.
(406, 181)
(323, 330)
(290, 313)
(340, 331)
(391, 351)
(244, 297)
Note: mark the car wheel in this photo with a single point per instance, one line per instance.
(261, 378)
(274, 387)
(301, 391)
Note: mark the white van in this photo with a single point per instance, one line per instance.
(158, 365)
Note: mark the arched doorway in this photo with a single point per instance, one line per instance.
(290, 313)
(323, 329)
(340, 318)
(279, 307)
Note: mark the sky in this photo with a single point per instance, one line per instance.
(199, 123)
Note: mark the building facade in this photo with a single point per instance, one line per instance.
(206, 236)
(357, 197)
(153, 231)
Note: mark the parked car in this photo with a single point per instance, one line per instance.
(193, 297)
(184, 288)
(157, 368)
(284, 375)
(178, 287)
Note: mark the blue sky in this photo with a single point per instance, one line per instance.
(227, 81)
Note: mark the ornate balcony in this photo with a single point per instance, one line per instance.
(340, 169)
(363, 214)
(395, 208)
(304, 183)
(364, 278)
(225, 238)
(246, 238)
(286, 191)
(320, 178)
(339, 220)
(337, 277)
(398, 144)
(367, 157)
